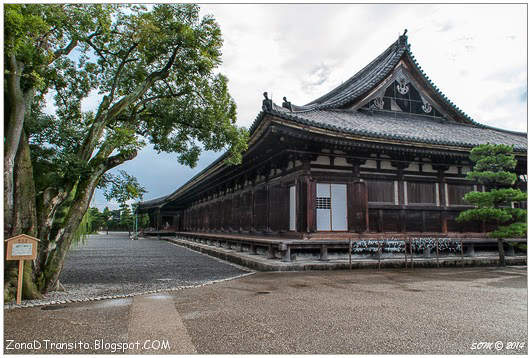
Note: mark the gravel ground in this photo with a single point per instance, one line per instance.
(111, 265)
(426, 311)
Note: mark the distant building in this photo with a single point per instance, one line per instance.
(384, 152)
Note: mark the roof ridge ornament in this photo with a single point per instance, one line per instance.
(267, 104)
(403, 38)
(287, 104)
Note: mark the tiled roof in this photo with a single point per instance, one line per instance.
(154, 202)
(328, 111)
(404, 127)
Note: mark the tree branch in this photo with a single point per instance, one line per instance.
(98, 50)
(105, 116)
(64, 51)
(120, 68)
(152, 98)
(141, 90)
(119, 158)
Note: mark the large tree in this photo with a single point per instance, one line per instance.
(152, 73)
(494, 167)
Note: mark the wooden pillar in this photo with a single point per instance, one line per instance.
(358, 207)
(305, 210)
(403, 220)
(235, 210)
(177, 221)
(158, 219)
(357, 199)
(400, 166)
(219, 213)
(222, 214)
(268, 205)
(380, 220)
(252, 227)
(442, 195)
(311, 205)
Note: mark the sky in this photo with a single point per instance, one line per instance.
(476, 55)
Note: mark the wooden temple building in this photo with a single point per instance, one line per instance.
(385, 152)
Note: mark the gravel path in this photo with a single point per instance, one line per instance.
(113, 265)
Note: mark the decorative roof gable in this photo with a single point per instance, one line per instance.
(395, 64)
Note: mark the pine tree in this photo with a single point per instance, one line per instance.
(126, 219)
(494, 168)
(107, 216)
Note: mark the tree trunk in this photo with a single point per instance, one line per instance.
(24, 222)
(501, 252)
(63, 239)
(25, 214)
(16, 101)
(48, 203)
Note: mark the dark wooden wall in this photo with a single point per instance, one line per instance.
(374, 202)
(264, 208)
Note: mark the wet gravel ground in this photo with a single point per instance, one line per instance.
(426, 311)
(109, 265)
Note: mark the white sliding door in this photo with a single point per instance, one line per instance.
(331, 207)
(292, 211)
(323, 207)
(339, 207)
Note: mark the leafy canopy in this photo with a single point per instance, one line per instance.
(151, 70)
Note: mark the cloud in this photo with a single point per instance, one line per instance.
(506, 99)
(316, 77)
(445, 26)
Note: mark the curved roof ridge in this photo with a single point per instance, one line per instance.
(375, 70)
(523, 134)
(436, 89)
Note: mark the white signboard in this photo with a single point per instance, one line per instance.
(22, 249)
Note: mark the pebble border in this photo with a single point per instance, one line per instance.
(10, 306)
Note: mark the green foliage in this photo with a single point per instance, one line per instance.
(495, 197)
(38, 34)
(97, 220)
(143, 221)
(91, 222)
(126, 218)
(118, 51)
(492, 166)
(122, 187)
(106, 216)
(517, 229)
(493, 178)
(84, 228)
(489, 214)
